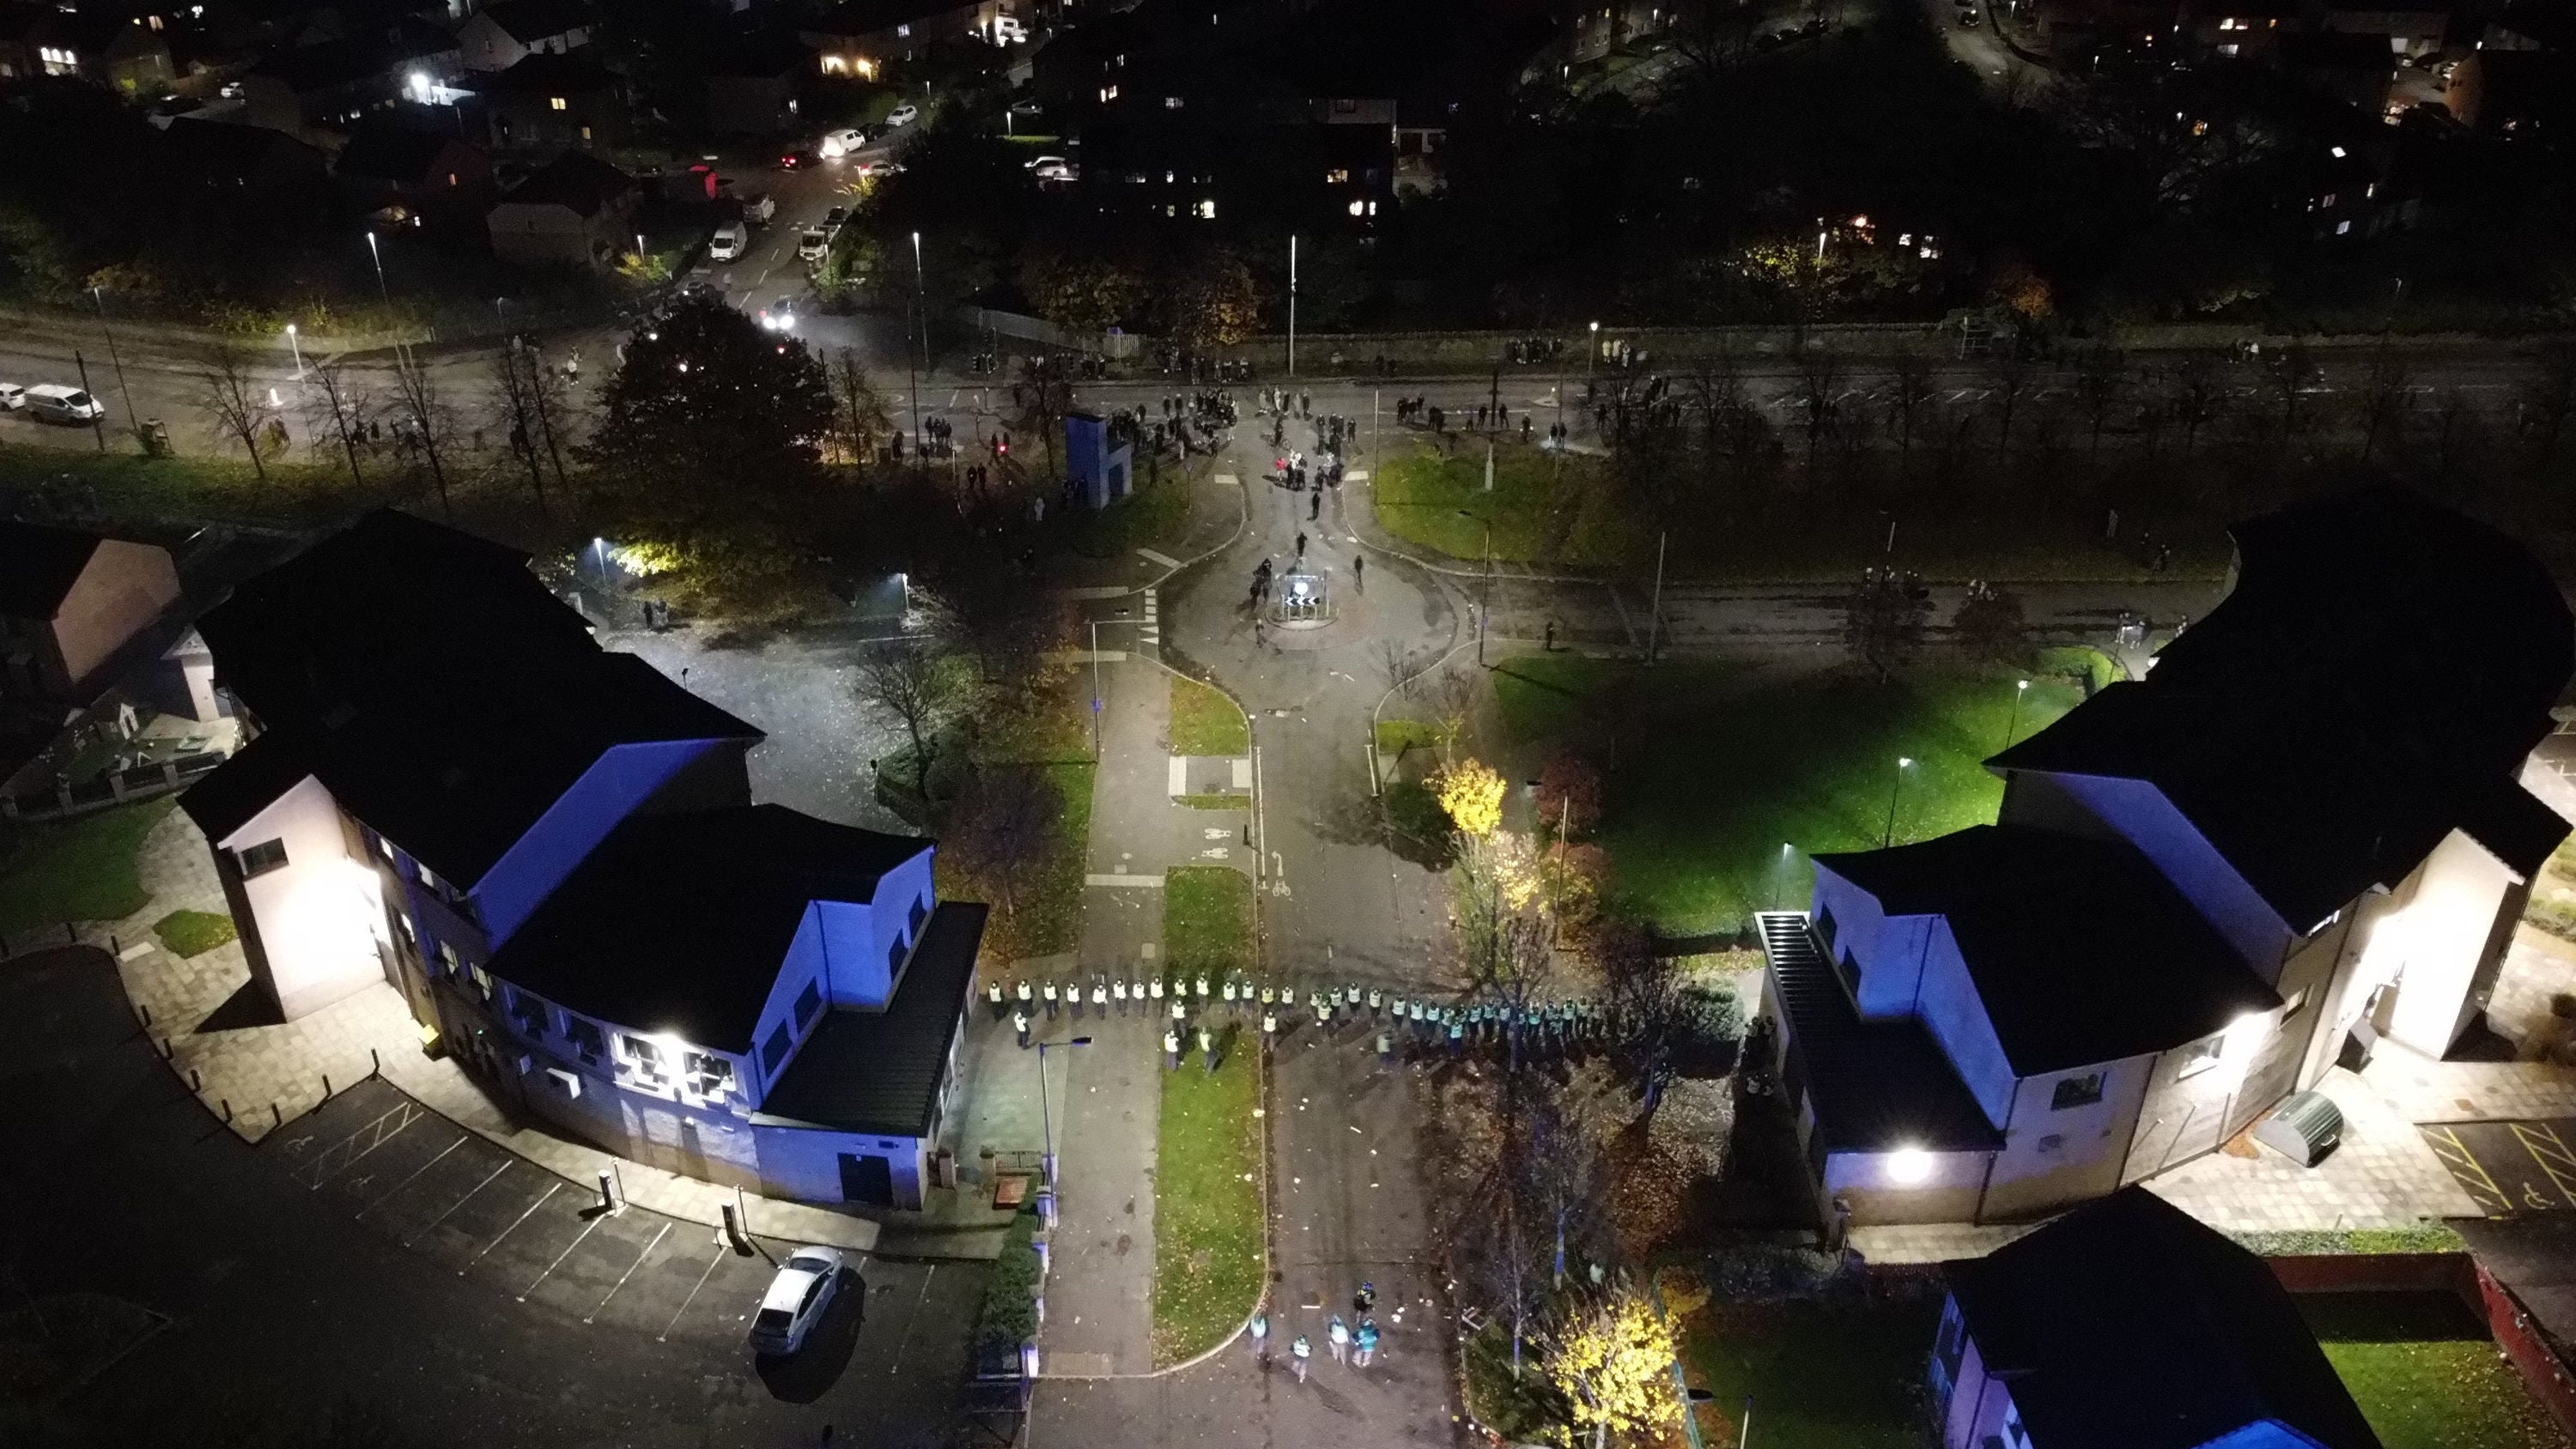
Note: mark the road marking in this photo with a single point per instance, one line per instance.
(630, 1271)
(460, 1202)
(415, 1172)
(1242, 772)
(1146, 882)
(2458, 1157)
(909, 1322)
(336, 1158)
(1093, 591)
(1165, 560)
(1227, 479)
(587, 1229)
(1355, 475)
(2542, 1142)
(1216, 832)
(542, 1199)
(1086, 656)
(1216, 853)
(1179, 774)
(665, 1335)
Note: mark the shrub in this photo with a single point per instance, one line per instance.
(193, 933)
(1008, 1316)
(2556, 917)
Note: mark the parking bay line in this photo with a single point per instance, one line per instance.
(460, 1202)
(629, 1273)
(415, 1172)
(665, 1335)
(587, 1229)
(906, 1340)
(542, 1199)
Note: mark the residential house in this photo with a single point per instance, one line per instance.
(104, 46)
(2126, 1322)
(407, 164)
(550, 102)
(2237, 29)
(502, 34)
(235, 159)
(69, 602)
(2412, 31)
(2524, 94)
(326, 88)
(753, 86)
(2305, 829)
(549, 849)
(863, 36)
(572, 211)
(2355, 69)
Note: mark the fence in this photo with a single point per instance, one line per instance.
(101, 792)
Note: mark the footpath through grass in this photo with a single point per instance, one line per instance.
(75, 870)
(1207, 1190)
(2425, 1372)
(1710, 770)
(1205, 722)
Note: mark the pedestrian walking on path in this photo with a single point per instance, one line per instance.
(1339, 1336)
(1359, 571)
(1024, 993)
(1180, 1009)
(1364, 1300)
(1207, 1050)
(1020, 1024)
(1156, 987)
(1260, 1335)
(1301, 1351)
(1121, 989)
(1050, 1000)
(1301, 545)
(1269, 1027)
(993, 993)
(1365, 1342)
(1172, 1049)
(1100, 1001)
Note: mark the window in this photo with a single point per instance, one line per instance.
(1171, 103)
(920, 912)
(260, 859)
(903, 32)
(586, 1038)
(1825, 928)
(773, 1052)
(2081, 1091)
(709, 1075)
(1337, 176)
(528, 1011)
(894, 955)
(482, 981)
(641, 1050)
(447, 958)
(2297, 999)
(556, 103)
(2200, 1056)
(808, 1002)
(1949, 1347)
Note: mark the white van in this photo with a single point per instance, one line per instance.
(63, 404)
(727, 244)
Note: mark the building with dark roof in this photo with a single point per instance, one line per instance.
(549, 848)
(2315, 804)
(222, 157)
(502, 34)
(571, 211)
(410, 162)
(69, 601)
(2127, 1325)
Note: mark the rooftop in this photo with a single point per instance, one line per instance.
(1875, 1085)
(435, 686)
(530, 20)
(2372, 681)
(39, 565)
(390, 147)
(680, 923)
(880, 1071)
(575, 180)
(2028, 908)
(2127, 1325)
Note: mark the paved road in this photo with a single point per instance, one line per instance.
(374, 1266)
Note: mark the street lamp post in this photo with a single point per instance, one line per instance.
(99, 295)
(1903, 763)
(1292, 305)
(2019, 689)
(298, 349)
(920, 305)
(1485, 603)
(1046, 1123)
(383, 293)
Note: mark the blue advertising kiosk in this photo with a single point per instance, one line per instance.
(1100, 474)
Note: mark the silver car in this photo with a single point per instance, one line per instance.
(796, 1300)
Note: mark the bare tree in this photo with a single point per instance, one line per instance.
(859, 410)
(1819, 388)
(2101, 382)
(1910, 391)
(550, 396)
(2197, 397)
(909, 680)
(2385, 396)
(2292, 373)
(2455, 427)
(426, 418)
(340, 402)
(2008, 381)
(516, 381)
(2548, 398)
(225, 390)
(1001, 825)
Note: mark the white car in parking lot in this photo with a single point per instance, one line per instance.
(797, 1298)
(903, 115)
(842, 142)
(12, 397)
(58, 404)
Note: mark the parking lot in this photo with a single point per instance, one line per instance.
(517, 1229)
(2510, 1168)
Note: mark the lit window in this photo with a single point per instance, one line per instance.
(451, 178)
(2342, 227)
(2328, 202)
(585, 133)
(262, 858)
(2200, 1056)
(1171, 103)
(905, 31)
(1207, 211)
(2228, 49)
(557, 103)
(2081, 1091)
(1337, 176)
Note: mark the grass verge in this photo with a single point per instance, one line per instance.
(1820, 1377)
(1395, 736)
(1719, 767)
(1215, 802)
(189, 486)
(1207, 919)
(1049, 914)
(75, 870)
(193, 933)
(1205, 722)
(1207, 1196)
(2425, 1373)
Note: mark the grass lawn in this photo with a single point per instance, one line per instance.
(1713, 768)
(193, 933)
(1048, 729)
(1207, 1194)
(2425, 1373)
(1207, 919)
(1395, 736)
(75, 870)
(195, 485)
(1566, 514)
(1216, 802)
(1049, 917)
(1819, 1377)
(1205, 722)
(1153, 513)
(1522, 1407)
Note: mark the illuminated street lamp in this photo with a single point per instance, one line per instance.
(298, 349)
(2020, 689)
(1903, 763)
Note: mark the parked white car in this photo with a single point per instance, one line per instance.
(728, 242)
(796, 1300)
(58, 404)
(12, 397)
(842, 142)
(903, 115)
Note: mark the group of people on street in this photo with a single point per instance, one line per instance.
(1414, 1025)
(1353, 1343)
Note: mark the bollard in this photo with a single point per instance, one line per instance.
(113, 949)
(379, 1059)
(167, 1053)
(732, 1227)
(147, 1012)
(228, 1110)
(276, 1118)
(326, 1086)
(608, 1202)
(196, 1084)
(70, 936)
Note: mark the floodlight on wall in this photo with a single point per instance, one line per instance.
(1909, 1167)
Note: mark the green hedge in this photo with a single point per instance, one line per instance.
(2556, 917)
(1008, 1316)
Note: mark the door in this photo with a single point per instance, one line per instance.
(867, 1178)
